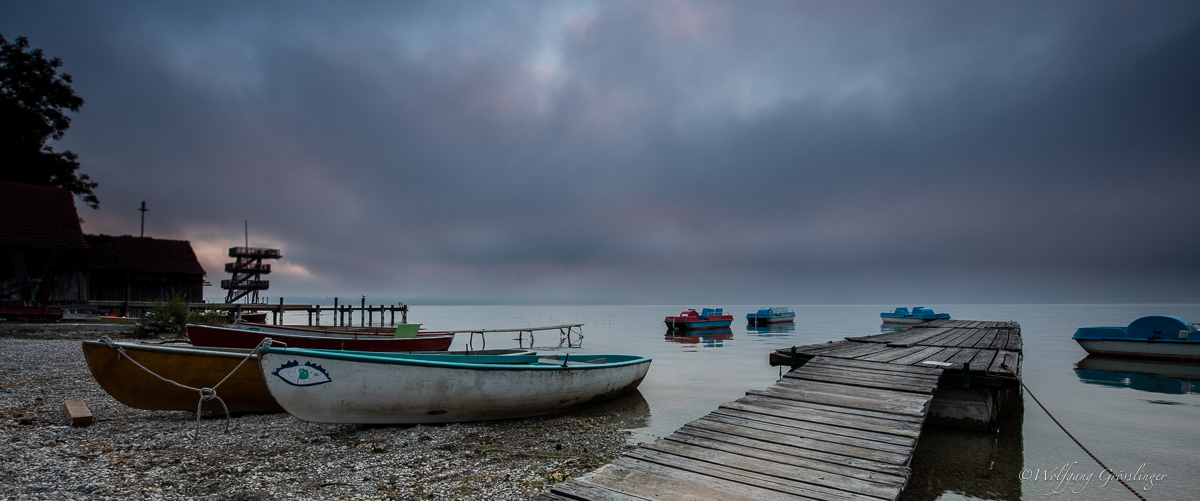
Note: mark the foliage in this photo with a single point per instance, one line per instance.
(33, 100)
(172, 316)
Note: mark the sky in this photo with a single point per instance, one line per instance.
(670, 152)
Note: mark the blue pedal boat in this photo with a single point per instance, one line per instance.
(771, 316)
(918, 315)
(1155, 336)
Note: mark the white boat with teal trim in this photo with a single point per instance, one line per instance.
(1155, 336)
(397, 388)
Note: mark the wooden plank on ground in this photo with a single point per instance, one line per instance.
(793, 479)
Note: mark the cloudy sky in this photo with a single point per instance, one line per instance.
(625, 152)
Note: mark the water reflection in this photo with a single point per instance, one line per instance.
(769, 330)
(886, 328)
(1152, 376)
(630, 410)
(969, 463)
(709, 338)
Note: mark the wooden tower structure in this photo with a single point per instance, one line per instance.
(247, 272)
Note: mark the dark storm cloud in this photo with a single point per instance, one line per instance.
(623, 151)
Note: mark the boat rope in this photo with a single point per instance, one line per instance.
(206, 394)
(1064, 429)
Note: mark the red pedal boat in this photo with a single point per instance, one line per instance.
(708, 318)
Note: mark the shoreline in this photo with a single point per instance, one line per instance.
(135, 454)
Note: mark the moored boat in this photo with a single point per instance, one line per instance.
(1155, 336)
(707, 318)
(771, 316)
(241, 335)
(918, 315)
(395, 388)
(197, 367)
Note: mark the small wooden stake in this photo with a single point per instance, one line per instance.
(77, 413)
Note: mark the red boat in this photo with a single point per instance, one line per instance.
(708, 318)
(242, 335)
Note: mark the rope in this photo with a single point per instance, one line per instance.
(206, 394)
(1064, 429)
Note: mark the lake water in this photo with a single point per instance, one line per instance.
(1138, 419)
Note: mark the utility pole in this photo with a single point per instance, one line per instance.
(143, 209)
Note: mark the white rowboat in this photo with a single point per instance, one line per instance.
(397, 388)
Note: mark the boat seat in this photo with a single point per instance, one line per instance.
(554, 360)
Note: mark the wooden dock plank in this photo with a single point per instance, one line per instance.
(840, 401)
(892, 354)
(976, 337)
(940, 356)
(918, 356)
(986, 340)
(905, 369)
(863, 380)
(582, 489)
(858, 392)
(755, 397)
(652, 481)
(940, 339)
(865, 374)
(1014, 342)
(791, 436)
(794, 457)
(982, 360)
(912, 378)
(1004, 357)
(795, 479)
(856, 350)
(801, 413)
(821, 431)
(756, 440)
(1001, 339)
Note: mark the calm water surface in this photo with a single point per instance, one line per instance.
(1132, 416)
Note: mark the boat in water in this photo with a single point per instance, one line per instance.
(918, 315)
(243, 335)
(771, 316)
(707, 318)
(1155, 336)
(395, 388)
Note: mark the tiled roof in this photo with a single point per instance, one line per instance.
(38, 217)
(143, 255)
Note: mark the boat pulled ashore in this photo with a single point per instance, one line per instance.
(244, 335)
(707, 318)
(148, 387)
(771, 316)
(1155, 336)
(397, 388)
(918, 315)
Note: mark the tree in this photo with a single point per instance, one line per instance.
(33, 103)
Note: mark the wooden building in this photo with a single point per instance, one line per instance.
(36, 220)
(127, 268)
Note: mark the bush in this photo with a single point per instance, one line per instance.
(171, 317)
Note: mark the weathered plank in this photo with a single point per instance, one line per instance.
(652, 481)
(821, 431)
(858, 392)
(798, 411)
(987, 339)
(856, 350)
(892, 354)
(760, 440)
(982, 360)
(918, 356)
(582, 489)
(879, 366)
(842, 401)
(829, 368)
(794, 479)
(756, 397)
(863, 380)
(785, 454)
(793, 437)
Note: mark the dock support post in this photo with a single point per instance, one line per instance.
(793, 360)
(393, 322)
(370, 315)
(403, 314)
(362, 313)
(336, 313)
(280, 321)
(966, 383)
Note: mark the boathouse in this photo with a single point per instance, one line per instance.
(40, 234)
(128, 268)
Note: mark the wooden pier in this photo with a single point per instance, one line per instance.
(842, 424)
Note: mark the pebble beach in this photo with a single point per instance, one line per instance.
(134, 454)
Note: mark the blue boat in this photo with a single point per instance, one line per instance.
(771, 315)
(1155, 336)
(918, 315)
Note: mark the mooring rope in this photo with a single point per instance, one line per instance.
(1064, 429)
(206, 394)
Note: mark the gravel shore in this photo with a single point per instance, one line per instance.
(133, 454)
